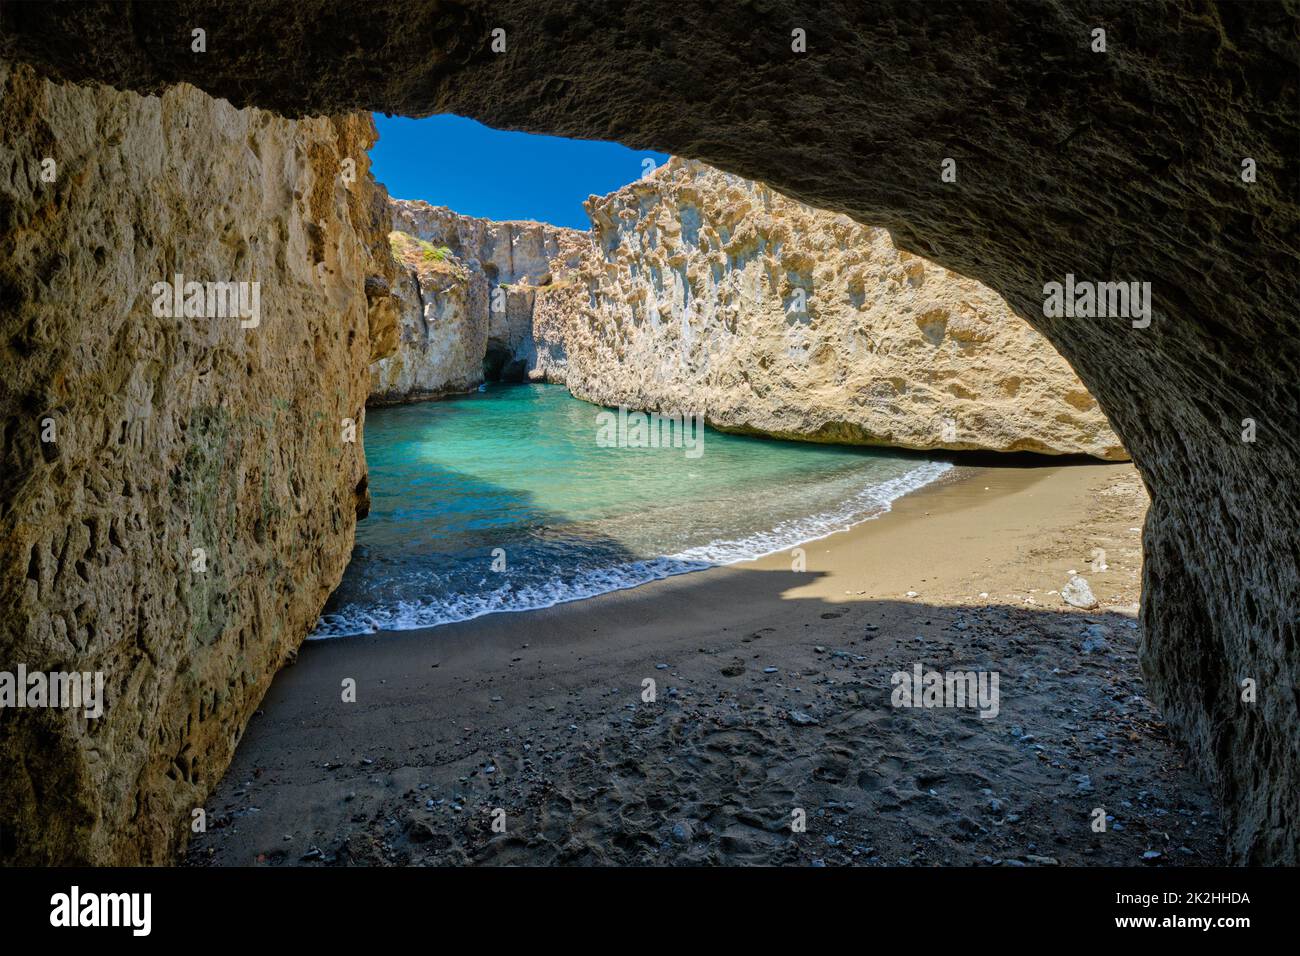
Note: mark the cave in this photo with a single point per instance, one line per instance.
(501, 365)
(1168, 157)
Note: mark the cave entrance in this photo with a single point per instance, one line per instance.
(725, 595)
(1008, 207)
(807, 610)
(502, 366)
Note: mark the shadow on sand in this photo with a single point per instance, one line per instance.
(767, 710)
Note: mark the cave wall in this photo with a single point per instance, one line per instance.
(1125, 164)
(168, 434)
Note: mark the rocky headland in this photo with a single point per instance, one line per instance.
(467, 289)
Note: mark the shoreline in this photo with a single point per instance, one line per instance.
(684, 558)
(540, 713)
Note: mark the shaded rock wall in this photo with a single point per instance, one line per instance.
(170, 434)
(711, 293)
(1118, 165)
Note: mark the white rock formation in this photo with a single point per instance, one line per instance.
(702, 291)
(466, 293)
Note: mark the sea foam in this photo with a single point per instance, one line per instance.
(871, 502)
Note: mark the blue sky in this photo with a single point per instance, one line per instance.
(478, 171)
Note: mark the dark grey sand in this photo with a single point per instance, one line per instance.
(773, 697)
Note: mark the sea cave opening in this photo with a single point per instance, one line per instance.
(576, 444)
(790, 654)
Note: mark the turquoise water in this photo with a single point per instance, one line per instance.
(504, 500)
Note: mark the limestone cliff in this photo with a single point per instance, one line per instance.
(697, 290)
(442, 326)
(466, 294)
(178, 492)
(702, 291)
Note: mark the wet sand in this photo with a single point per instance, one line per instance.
(525, 738)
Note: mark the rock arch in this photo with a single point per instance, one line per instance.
(1117, 166)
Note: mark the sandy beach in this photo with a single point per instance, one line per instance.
(526, 738)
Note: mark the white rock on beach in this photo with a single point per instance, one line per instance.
(1078, 594)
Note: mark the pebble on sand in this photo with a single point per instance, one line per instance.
(1078, 594)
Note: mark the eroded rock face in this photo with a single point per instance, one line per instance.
(442, 327)
(196, 503)
(1123, 165)
(709, 293)
(466, 300)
